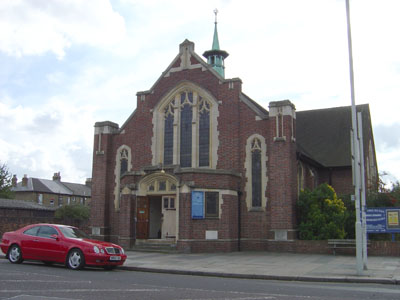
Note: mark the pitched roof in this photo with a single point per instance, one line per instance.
(79, 189)
(323, 135)
(39, 185)
(20, 204)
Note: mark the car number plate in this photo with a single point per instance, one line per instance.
(115, 257)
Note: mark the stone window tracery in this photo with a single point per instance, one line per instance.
(185, 131)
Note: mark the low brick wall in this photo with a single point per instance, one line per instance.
(14, 218)
(376, 248)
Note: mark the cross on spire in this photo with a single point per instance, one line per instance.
(215, 12)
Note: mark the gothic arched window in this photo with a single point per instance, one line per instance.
(204, 133)
(186, 129)
(256, 172)
(169, 133)
(123, 165)
(124, 162)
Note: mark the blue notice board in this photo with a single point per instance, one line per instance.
(376, 220)
(197, 205)
(383, 220)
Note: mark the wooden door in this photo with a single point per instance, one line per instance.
(142, 215)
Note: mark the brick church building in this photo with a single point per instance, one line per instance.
(202, 166)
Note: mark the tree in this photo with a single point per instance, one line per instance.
(75, 212)
(5, 183)
(321, 214)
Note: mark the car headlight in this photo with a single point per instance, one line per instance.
(96, 249)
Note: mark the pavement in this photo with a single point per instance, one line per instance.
(267, 265)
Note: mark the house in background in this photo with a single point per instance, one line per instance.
(202, 166)
(51, 192)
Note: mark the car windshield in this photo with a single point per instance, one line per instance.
(74, 233)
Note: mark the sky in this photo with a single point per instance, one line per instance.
(66, 64)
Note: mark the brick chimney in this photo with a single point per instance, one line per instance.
(25, 180)
(88, 182)
(57, 176)
(14, 180)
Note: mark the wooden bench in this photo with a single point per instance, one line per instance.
(342, 243)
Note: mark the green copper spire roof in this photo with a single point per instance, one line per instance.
(215, 45)
(215, 56)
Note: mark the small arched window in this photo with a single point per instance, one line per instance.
(123, 165)
(256, 172)
(124, 162)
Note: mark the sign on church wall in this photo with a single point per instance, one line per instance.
(197, 205)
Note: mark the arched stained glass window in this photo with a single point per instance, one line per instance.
(169, 133)
(186, 129)
(256, 172)
(124, 162)
(204, 133)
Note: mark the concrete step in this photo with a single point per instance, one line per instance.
(156, 245)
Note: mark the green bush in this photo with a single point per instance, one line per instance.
(350, 221)
(73, 212)
(321, 214)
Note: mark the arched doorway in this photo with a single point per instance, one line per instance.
(157, 207)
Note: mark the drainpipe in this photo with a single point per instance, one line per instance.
(239, 218)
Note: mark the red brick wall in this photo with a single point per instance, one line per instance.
(13, 219)
(339, 178)
(282, 178)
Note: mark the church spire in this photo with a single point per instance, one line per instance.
(215, 45)
(215, 56)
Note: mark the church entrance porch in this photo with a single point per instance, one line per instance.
(156, 223)
(156, 215)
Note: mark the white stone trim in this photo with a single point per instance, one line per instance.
(264, 177)
(117, 175)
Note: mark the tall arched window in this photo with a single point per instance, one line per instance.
(169, 133)
(204, 132)
(256, 172)
(124, 162)
(185, 128)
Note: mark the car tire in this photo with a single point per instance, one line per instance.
(75, 259)
(15, 254)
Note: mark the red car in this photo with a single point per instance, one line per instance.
(64, 244)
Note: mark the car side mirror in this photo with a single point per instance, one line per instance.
(55, 237)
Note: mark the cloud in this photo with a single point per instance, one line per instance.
(45, 141)
(36, 27)
(385, 139)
